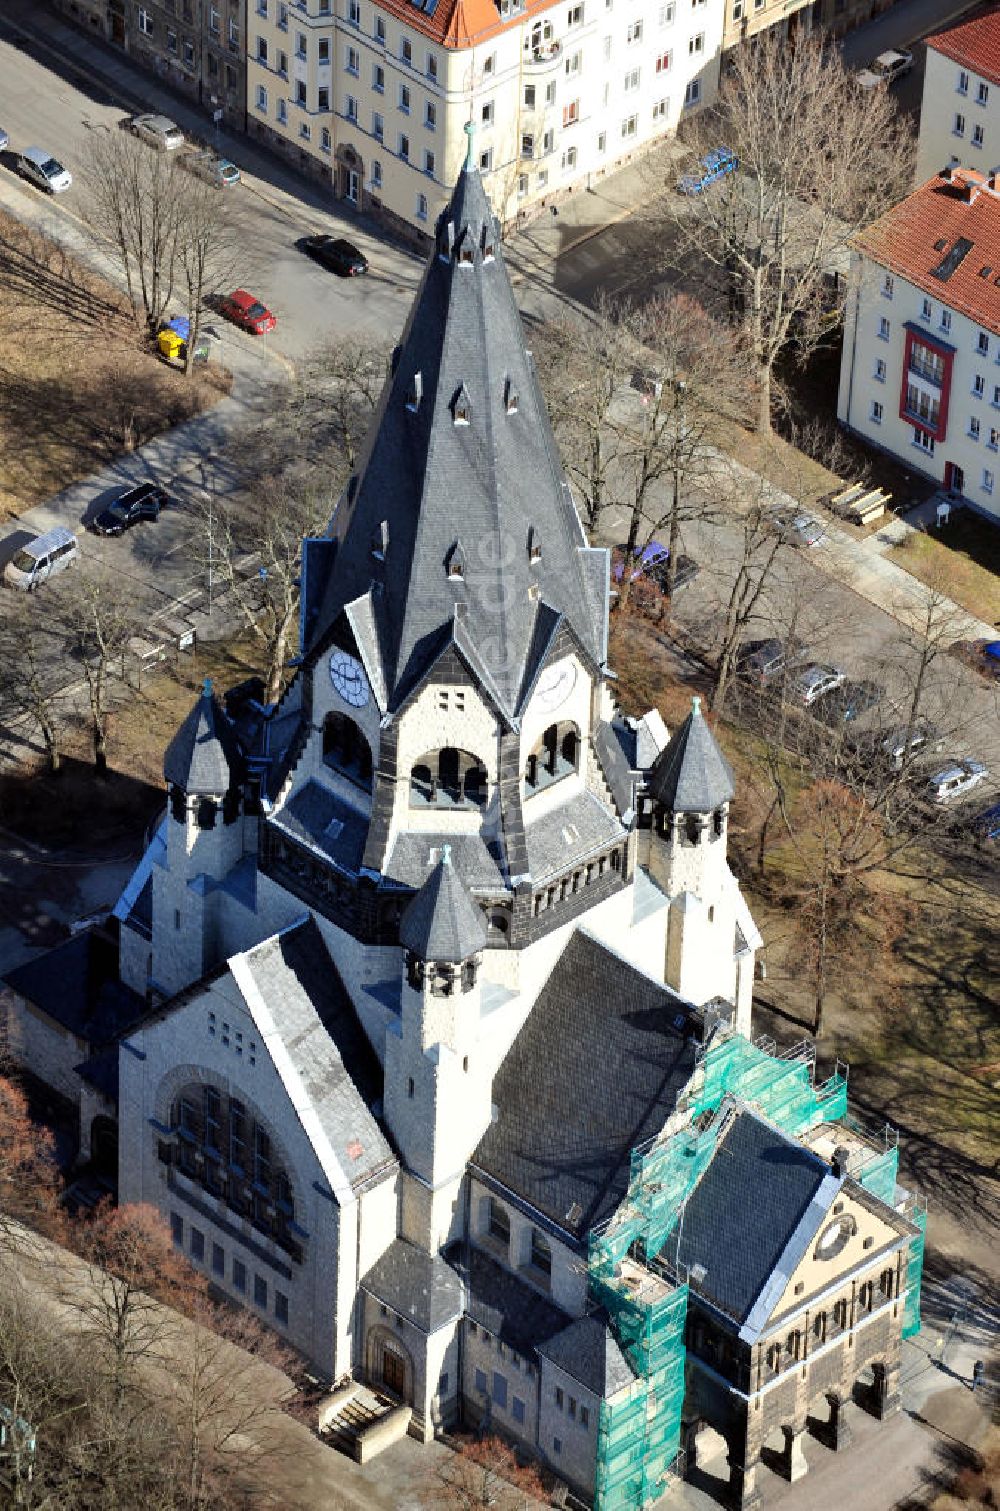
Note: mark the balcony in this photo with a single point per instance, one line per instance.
(930, 372)
(543, 58)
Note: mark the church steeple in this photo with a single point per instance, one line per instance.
(461, 442)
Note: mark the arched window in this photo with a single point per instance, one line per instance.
(885, 1284)
(774, 1357)
(819, 1327)
(206, 813)
(346, 750)
(554, 756)
(692, 828)
(449, 778)
(219, 1145)
(498, 926)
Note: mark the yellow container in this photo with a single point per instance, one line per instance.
(170, 344)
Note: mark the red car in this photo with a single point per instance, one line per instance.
(243, 309)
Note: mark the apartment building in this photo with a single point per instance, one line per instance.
(960, 111)
(748, 18)
(920, 372)
(374, 97)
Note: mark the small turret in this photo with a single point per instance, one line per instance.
(442, 933)
(691, 786)
(203, 765)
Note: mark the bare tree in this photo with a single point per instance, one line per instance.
(94, 613)
(818, 159)
(484, 1472)
(29, 685)
(332, 403)
(134, 202)
(207, 251)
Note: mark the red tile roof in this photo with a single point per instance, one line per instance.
(462, 23)
(914, 238)
(974, 43)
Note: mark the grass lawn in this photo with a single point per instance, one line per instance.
(77, 386)
(962, 561)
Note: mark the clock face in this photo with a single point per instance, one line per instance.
(555, 685)
(348, 678)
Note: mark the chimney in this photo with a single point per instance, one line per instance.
(948, 173)
(839, 1162)
(971, 192)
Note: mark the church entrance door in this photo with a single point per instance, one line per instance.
(393, 1372)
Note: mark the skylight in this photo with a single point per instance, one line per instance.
(952, 260)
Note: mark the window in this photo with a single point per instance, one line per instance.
(557, 1445)
(585, 1417)
(282, 16)
(922, 406)
(260, 1292)
(489, 65)
(145, 22)
(883, 329)
(661, 109)
(482, 1384)
(634, 33)
(987, 479)
(983, 94)
(498, 1221)
(696, 45)
(522, 184)
(663, 62)
(529, 96)
(378, 79)
(632, 79)
(500, 1390)
(177, 1229)
(963, 81)
(486, 160)
(239, 1275)
(432, 67)
(983, 344)
(959, 127)
(262, 50)
(527, 144)
(927, 310)
(300, 93)
(282, 64)
(602, 142)
(301, 45)
(281, 1307)
(486, 114)
(559, 1397)
(354, 12)
(378, 126)
(887, 285)
(629, 126)
(973, 428)
(171, 41)
(406, 51)
(428, 162)
(876, 412)
(550, 93)
(946, 320)
(925, 441)
(692, 93)
(607, 48)
(353, 61)
(880, 370)
(541, 1252)
(376, 174)
(574, 16)
(188, 46)
(404, 98)
(994, 439)
(323, 102)
(667, 14)
(517, 1409)
(404, 147)
(573, 64)
(380, 31)
(977, 136)
(571, 113)
(978, 385)
(350, 108)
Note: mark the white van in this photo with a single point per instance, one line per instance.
(49, 553)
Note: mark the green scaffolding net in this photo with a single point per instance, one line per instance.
(916, 1211)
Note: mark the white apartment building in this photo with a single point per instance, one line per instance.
(960, 110)
(920, 372)
(375, 97)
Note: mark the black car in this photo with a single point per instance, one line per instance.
(762, 661)
(142, 502)
(847, 702)
(335, 253)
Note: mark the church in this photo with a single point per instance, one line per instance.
(447, 1069)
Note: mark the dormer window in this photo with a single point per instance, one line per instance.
(380, 541)
(416, 393)
(447, 247)
(461, 407)
(489, 241)
(534, 546)
(455, 563)
(510, 397)
(465, 249)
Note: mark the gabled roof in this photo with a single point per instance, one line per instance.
(508, 1308)
(442, 922)
(596, 1069)
(589, 1351)
(204, 756)
(922, 240)
(76, 985)
(421, 1287)
(973, 43)
(760, 1191)
(691, 775)
(429, 475)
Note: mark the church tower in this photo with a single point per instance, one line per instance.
(691, 786)
(437, 1076)
(204, 770)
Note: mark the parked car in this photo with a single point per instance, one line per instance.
(762, 661)
(208, 165)
(159, 131)
(982, 655)
(336, 253)
(246, 311)
(796, 529)
(885, 69)
(4, 140)
(985, 825)
(814, 682)
(652, 562)
(41, 558)
(955, 780)
(892, 748)
(141, 502)
(713, 166)
(41, 168)
(848, 702)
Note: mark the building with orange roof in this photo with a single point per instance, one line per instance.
(372, 96)
(920, 371)
(960, 111)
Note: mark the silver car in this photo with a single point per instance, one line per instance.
(159, 131)
(956, 780)
(43, 169)
(797, 529)
(814, 682)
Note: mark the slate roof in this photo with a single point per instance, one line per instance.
(905, 240)
(508, 1308)
(204, 755)
(491, 489)
(973, 43)
(476, 858)
(589, 1351)
(442, 922)
(691, 775)
(77, 986)
(596, 1069)
(567, 833)
(322, 819)
(421, 1287)
(743, 1240)
(305, 1017)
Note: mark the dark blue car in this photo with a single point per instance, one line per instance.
(985, 826)
(713, 166)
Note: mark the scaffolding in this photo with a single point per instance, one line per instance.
(916, 1210)
(781, 1087)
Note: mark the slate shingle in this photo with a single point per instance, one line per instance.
(204, 756)
(691, 775)
(421, 1287)
(442, 922)
(589, 1351)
